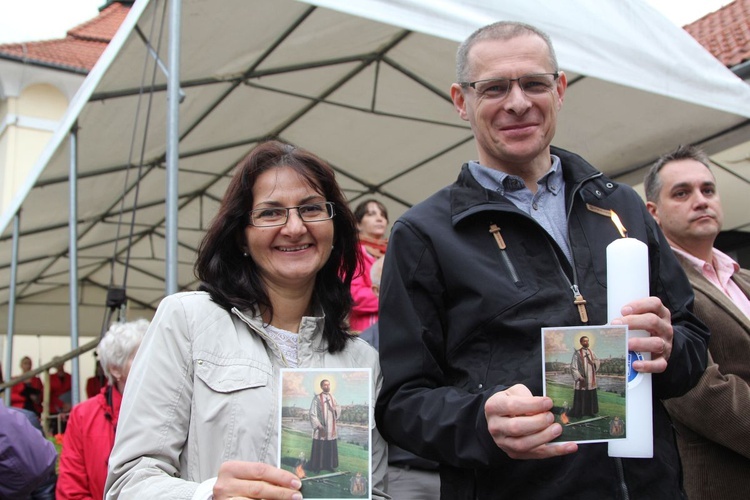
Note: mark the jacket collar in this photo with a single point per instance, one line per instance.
(310, 335)
(468, 197)
(701, 284)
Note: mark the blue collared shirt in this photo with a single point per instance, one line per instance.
(546, 206)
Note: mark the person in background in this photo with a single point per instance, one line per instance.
(409, 477)
(59, 397)
(28, 394)
(27, 459)
(90, 434)
(371, 335)
(372, 223)
(200, 418)
(516, 244)
(95, 384)
(713, 419)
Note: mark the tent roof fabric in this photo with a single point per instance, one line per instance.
(362, 83)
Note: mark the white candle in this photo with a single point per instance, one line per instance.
(628, 280)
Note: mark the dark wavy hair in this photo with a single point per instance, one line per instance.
(233, 280)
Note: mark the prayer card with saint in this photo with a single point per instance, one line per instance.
(584, 371)
(325, 430)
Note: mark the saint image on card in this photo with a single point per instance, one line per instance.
(324, 435)
(584, 371)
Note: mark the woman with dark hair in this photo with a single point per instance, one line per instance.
(200, 418)
(372, 222)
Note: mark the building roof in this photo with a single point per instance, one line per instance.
(725, 33)
(79, 50)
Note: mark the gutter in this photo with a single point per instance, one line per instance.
(742, 69)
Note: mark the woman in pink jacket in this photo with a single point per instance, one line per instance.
(372, 222)
(90, 433)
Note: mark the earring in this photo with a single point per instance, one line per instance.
(244, 254)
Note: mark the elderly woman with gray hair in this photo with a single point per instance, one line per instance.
(90, 434)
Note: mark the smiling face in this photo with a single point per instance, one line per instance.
(688, 208)
(289, 256)
(373, 223)
(513, 133)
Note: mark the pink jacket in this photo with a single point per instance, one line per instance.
(365, 310)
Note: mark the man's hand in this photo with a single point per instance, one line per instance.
(522, 425)
(253, 480)
(649, 314)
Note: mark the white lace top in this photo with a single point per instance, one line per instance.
(287, 342)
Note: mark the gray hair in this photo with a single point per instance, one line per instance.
(501, 30)
(652, 183)
(119, 343)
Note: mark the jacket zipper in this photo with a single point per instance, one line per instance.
(621, 477)
(578, 299)
(495, 230)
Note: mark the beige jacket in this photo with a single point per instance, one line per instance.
(203, 389)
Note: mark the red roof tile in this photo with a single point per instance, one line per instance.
(725, 33)
(79, 50)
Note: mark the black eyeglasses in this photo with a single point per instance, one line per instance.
(498, 88)
(278, 216)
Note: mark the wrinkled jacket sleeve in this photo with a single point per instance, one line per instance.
(417, 407)
(689, 356)
(724, 415)
(145, 460)
(73, 480)
(26, 458)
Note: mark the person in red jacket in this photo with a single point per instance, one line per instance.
(28, 394)
(95, 384)
(60, 384)
(90, 434)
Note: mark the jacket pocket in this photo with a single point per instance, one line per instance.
(231, 374)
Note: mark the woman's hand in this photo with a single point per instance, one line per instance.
(254, 480)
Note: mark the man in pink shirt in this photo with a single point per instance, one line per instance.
(713, 419)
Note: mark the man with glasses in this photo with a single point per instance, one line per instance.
(473, 273)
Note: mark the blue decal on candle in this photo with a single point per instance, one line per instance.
(633, 356)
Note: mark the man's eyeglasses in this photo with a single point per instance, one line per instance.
(277, 216)
(498, 88)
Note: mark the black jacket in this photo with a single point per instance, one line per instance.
(460, 321)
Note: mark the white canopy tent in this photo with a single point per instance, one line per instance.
(362, 83)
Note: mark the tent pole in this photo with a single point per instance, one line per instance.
(12, 302)
(73, 255)
(173, 138)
